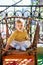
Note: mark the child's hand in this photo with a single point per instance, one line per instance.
(4, 51)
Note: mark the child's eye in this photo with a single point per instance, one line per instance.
(18, 25)
(21, 25)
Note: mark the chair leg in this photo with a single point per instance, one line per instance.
(35, 56)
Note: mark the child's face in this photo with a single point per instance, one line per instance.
(19, 26)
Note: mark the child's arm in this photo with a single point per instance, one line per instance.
(10, 39)
(27, 36)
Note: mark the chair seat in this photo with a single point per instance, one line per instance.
(28, 52)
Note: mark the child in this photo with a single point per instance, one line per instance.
(19, 38)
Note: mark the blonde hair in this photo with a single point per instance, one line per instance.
(18, 21)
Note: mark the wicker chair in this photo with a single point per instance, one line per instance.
(32, 49)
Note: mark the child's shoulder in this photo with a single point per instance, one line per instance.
(14, 31)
